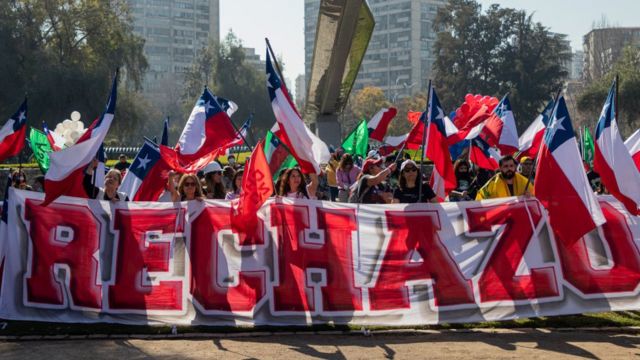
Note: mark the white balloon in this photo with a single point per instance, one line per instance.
(59, 129)
(67, 124)
(79, 125)
(75, 116)
(74, 135)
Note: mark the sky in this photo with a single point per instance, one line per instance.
(282, 21)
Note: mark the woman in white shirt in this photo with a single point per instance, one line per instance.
(293, 186)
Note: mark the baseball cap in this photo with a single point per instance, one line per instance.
(369, 163)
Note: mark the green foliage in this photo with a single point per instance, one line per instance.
(63, 54)
(593, 97)
(494, 52)
(224, 70)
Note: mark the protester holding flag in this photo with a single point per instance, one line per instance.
(188, 188)
(346, 176)
(112, 181)
(293, 185)
(236, 186)
(371, 188)
(407, 190)
(506, 183)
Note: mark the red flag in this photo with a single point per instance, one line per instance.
(257, 187)
(413, 117)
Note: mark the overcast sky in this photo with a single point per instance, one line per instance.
(282, 21)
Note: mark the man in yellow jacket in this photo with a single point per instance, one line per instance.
(506, 183)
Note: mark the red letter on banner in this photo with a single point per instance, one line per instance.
(63, 236)
(622, 277)
(205, 253)
(417, 231)
(299, 256)
(138, 254)
(499, 280)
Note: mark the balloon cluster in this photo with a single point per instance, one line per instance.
(70, 129)
(473, 104)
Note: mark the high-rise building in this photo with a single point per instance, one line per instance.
(604, 47)
(400, 55)
(301, 91)
(174, 31)
(253, 59)
(577, 65)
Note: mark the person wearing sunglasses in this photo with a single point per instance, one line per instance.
(188, 188)
(407, 191)
(371, 187)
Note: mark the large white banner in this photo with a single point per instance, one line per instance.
(310, 262)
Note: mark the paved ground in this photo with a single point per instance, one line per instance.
(437, 345)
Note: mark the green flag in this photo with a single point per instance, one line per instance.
(588, 148)
(358, 141)
(41, 148)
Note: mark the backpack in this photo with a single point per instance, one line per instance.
(355, 193)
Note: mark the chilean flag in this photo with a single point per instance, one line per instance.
(56, 141)
(561, 183)
(12, 134)
(633, 145)
(439, 128)
(612, 159)
(529, 142)
(208, 129)
(304, 145)
(379, 123)
(500, 129)
(240, 135)
(483, 155)
(164, 140)
(66, 171)
(147, 176)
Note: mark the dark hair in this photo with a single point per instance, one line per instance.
(284, 183)
(345, 160)
(238, 174)
(402, 182)
(215, 189)
(507, 158)
(461, 162)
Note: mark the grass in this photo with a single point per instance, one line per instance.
(591, 320)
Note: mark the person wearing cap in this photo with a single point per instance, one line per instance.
(370, 187)
(346, 176)
(407, 191)
(214, 188)
(506, 183)
(526, 167)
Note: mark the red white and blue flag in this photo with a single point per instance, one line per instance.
(208, 129)
(379, 123)
(483, 155)
(612, 159)
(561, 183)
(439, 128)
(147, 176)
(67, 166)
(633, 145)
(500, 129)
(530, 141)
(304, 145)
(240, 135)
(164, 140)
(56, 141)
(12, 134)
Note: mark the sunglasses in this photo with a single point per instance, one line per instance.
(410, 169)
(187, 184)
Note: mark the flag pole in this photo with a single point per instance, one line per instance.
(275, 61)
(425, 137)
(616, 98)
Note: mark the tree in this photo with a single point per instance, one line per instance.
(63, 54)
(501, 50)
(224, 70)
(593, 97)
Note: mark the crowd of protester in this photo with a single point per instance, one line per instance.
(345, 178)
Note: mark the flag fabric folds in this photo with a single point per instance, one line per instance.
(241, 135)
(530, 141)
(208, 129)
(13, 132)
(41, 148)
(147, 176)
(379, 123)
(500, 129)
(275, 152)
(304, 145)
(612, 159)
(257, 187)
(357, 142)
(484, 156)
(588, 147)
(561, 183)
(66, 171)
(633, 145)
(56, 141)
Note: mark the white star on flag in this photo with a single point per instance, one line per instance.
(144, 161)
(22, 116)
(557, 125)
(208, 106)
